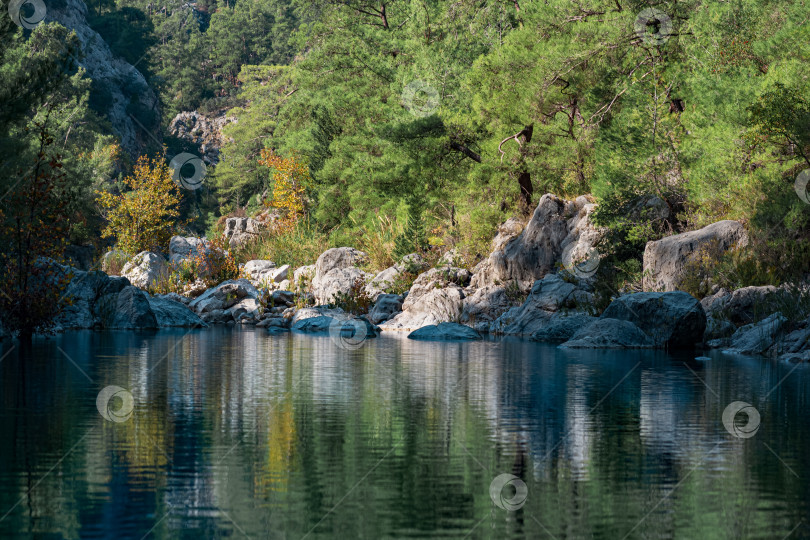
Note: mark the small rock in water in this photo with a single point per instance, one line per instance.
(702, 358)
(445, 331)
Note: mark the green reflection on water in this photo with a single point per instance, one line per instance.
(238, 433)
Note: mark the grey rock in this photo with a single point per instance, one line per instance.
(386, 307)
(798, 340)
(446, 331)
(312, 312)
(436, 278)
(434, 297)
(172, 313)
(337, 258)
(547, 296)
(239, 231)
(665, 260)
(246, 309)
(582, 238)
(182, 248)
(448, 258)
(129, 309)
(745, 305)
(718, 328)
(413, 262)
(282, 298)
(280, 273)
(383, 281)
(216, 316)
(302, 274)
(336, 271)
(673, 319)
(337, 280)
(339, 324)
(175, 297)
(84, 289)
(485, 305)
(145, 269)
(562, 326)
(606, 333)
(757, 338)
(224, 295)
(203, 132)
(110, 284)
(277, 322)
(508, 230)
(353, 329)
(125, 87)
(436, 306)
(531, 254)
(259, 270)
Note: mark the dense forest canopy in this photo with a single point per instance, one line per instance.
(446, 118)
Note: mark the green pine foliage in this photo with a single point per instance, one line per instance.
(414, 237)
(445, 118)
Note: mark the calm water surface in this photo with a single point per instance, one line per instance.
(236, 433)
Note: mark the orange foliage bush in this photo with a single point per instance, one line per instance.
(290, 180)
(216, 263)
(143, 218)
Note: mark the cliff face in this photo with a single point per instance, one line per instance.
(203, 132)
(131, 105)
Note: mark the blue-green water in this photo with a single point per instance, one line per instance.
(236, 433)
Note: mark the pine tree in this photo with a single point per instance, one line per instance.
(414, 237)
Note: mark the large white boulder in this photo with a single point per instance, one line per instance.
(259, 270)
(524, 256)
(336, 271)
(239, 231)
(666, 260)
(182, 248)
(436, 306)
(145, 269)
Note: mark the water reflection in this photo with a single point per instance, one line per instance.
(235, 432)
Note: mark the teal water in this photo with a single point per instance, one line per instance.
(236, 433)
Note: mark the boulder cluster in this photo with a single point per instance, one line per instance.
(537, 282)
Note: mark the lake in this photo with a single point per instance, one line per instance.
(230, 433)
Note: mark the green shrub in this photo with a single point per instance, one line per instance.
(357, 301)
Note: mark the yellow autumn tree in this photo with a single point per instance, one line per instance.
(143, 218)
(290, 179)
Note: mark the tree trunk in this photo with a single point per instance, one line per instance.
(525, 178)
(526, 190)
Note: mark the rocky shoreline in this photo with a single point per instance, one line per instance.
(534, 284)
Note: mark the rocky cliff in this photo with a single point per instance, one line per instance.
(131, 105)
